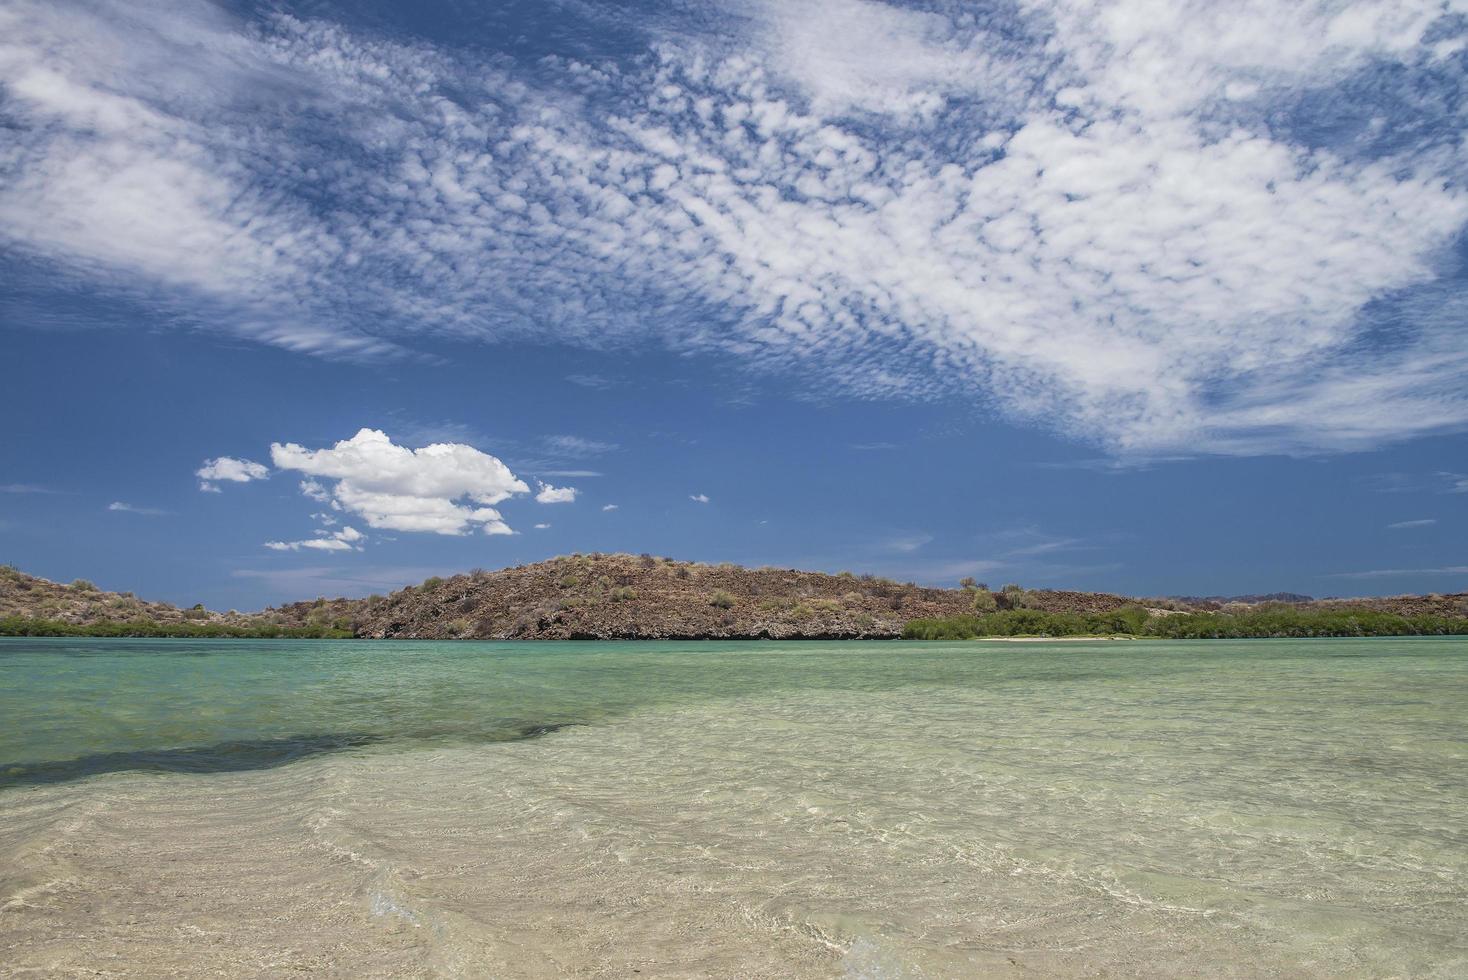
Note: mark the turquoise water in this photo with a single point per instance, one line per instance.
(1251, 807)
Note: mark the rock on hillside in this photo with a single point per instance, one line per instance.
(626, 597)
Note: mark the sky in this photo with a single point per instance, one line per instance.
(318, 298)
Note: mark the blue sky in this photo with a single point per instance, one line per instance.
(324, 298)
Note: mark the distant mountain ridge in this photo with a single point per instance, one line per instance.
(1249, 600)
(621, 596)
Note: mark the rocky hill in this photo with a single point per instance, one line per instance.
(81, 603)
(616, 596)
(625, 597)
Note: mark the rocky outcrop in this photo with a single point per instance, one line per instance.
(626, 597)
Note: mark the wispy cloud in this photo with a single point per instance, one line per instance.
(1104, 223)
(573, 446)
(597, 381)
(294, 582)
(906, 542)
(1393, 572)
(699, 498)
(27, 488)
(1442, 481)
(1404, 525)
(118, 506)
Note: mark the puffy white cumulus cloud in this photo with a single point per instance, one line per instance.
(345, 539)
(610, 507)
(1111, 217)
(444, 488)
(699, 498)
(542, 527)
(548, 494)
(227, 469)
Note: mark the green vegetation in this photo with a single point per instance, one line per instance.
(82, 585)
(1267, 621)
(984, 602)
(21, 626)
(722, 600)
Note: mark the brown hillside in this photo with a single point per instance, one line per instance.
(625, 597)
(81, 602)
(618, 597)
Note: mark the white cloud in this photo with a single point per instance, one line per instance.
(555, 495)
(1091, 214)
(542, 527)
(444, 488)
(609, 507)
(227, 469)
(346, 539)
(125, 508)
(315, 491)
(1404, 525)
(700, 498)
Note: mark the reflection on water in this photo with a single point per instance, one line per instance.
(1250, 809)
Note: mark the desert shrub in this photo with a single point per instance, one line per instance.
(20, 626)
(968, 582)
(801, 612)
(844, 574)
(984, 601)
(569, 582)
(721, 600)
(1014, 597)
(432, 582)
(1270, 621)
(853, 598)
(82, 585)
(623, 593)
(682, 571)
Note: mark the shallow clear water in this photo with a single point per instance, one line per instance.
(765, 809)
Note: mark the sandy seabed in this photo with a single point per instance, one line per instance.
(1221, 811)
